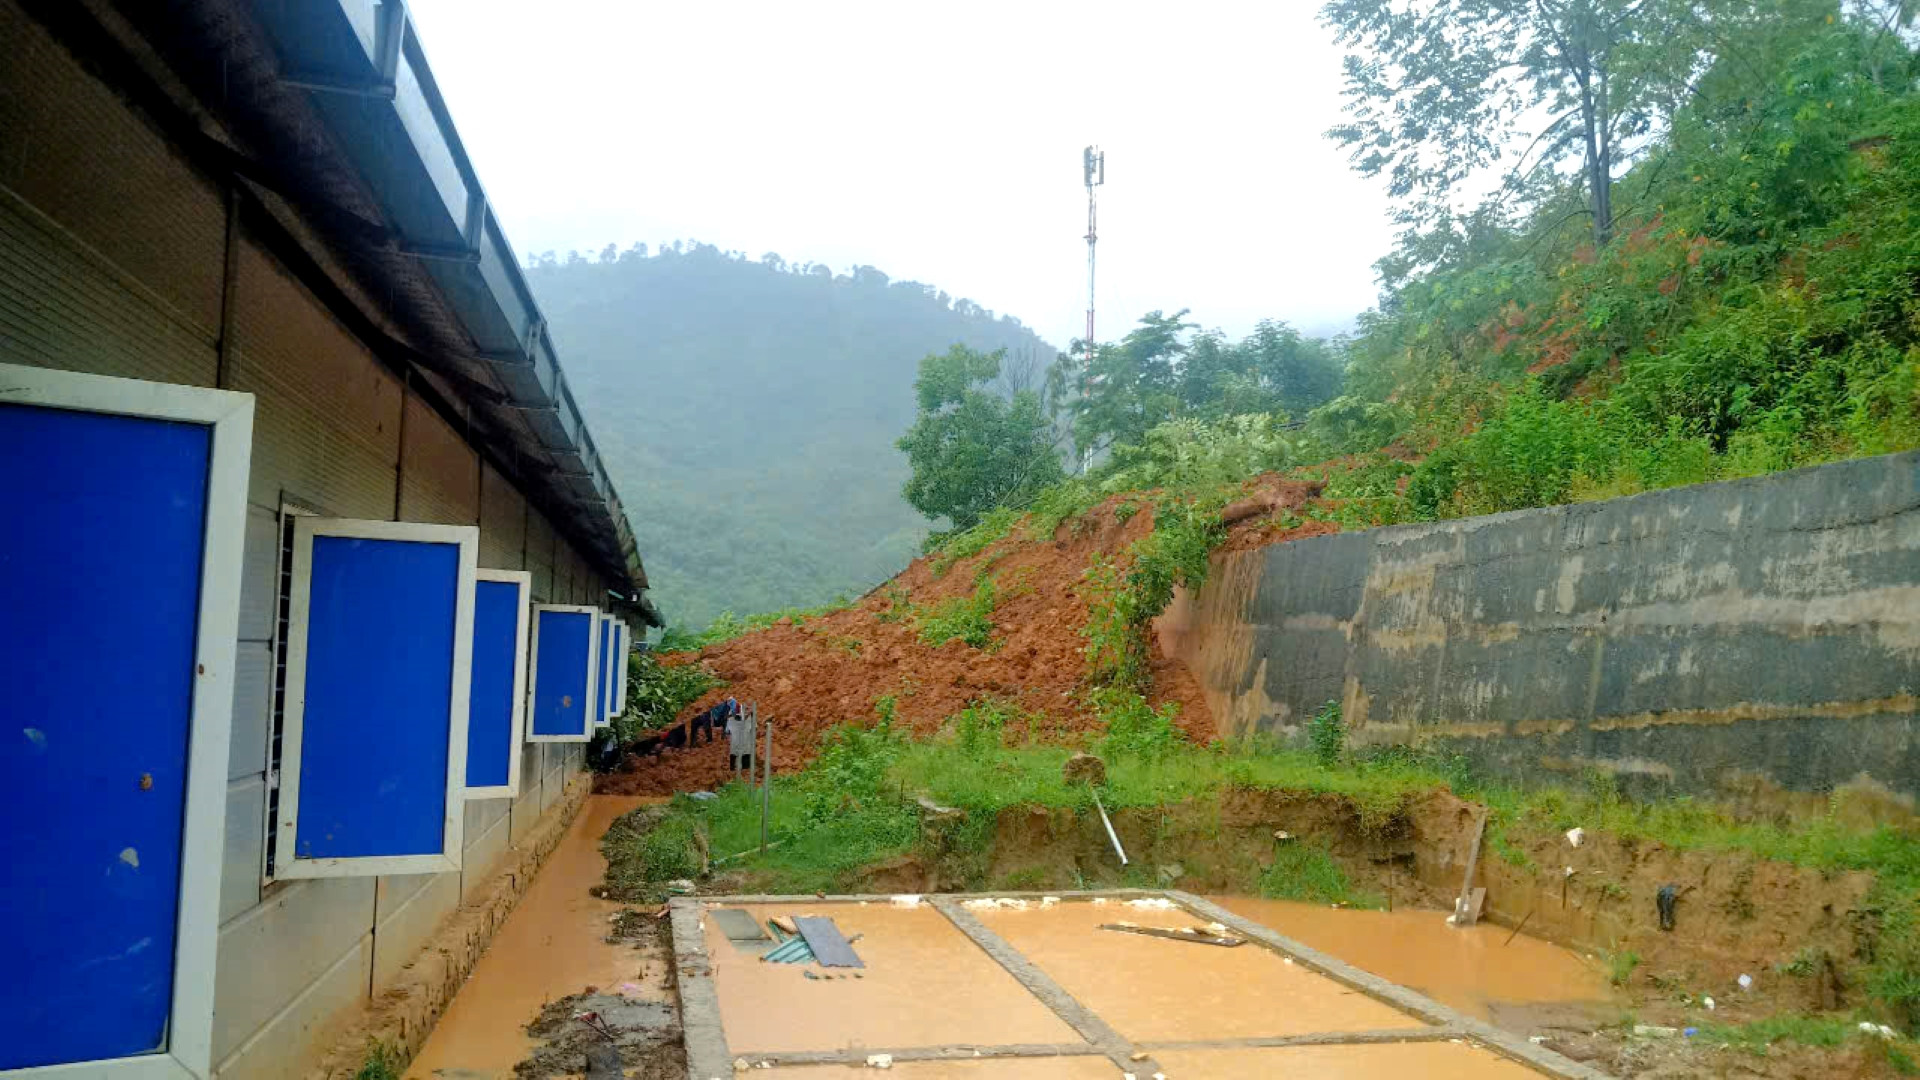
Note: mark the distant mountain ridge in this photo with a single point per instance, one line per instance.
(747, 410)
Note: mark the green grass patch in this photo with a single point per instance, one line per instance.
(967, 618)
(1306, 872)
(965, 544)
(1757, 1037)
(383, 1061)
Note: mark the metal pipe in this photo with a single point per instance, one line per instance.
(1111, 835)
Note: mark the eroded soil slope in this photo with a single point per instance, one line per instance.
(834, 668)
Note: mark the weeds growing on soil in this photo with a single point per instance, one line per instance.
(383, 1062)
(1303, 871)
(967, 618)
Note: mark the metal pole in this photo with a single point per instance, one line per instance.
(766, 785)
(1111, 835)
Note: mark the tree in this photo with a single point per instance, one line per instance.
(1439, 91)
(1127, 387)
(972, 450)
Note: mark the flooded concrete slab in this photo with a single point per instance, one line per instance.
(925, 984)
(553, 945)
(1057, 1068)
(1153, 989)
(1390, 1061)
(1472, 969)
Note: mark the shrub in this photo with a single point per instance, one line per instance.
(1327, 735)
(1134, 727)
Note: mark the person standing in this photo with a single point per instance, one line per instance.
(739, 738)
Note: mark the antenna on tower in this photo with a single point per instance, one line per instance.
(1093, 167)
(1093, 163)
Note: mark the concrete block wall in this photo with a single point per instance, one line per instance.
(1706, 639)
(113, 260)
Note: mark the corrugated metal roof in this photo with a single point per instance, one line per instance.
(327, 113)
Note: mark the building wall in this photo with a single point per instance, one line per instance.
(1703, 639)
(113, 260)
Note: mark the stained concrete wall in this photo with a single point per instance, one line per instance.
(114, 260)
(1703, 639)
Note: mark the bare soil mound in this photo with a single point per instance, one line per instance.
(811, 676)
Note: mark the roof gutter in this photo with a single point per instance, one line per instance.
(370, 83)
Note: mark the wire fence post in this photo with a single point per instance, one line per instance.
(766, 783)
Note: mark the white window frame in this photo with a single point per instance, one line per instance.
(521, 687)
(606, 713)
(593, 665)
(229, 418)
(624, 645)
(287, 866)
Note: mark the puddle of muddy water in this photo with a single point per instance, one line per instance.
(1152, 989)
(553, 945)
(1390, 1061)
(1473, 969)
(925, 984)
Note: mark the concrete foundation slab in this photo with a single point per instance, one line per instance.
(1157, 990)
(925, 984)
(1394, 1061)
(1060, 1068)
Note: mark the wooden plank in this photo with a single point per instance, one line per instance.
(829, 947)
(1174, 935)
(1465, 911)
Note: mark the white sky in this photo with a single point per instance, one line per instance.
(939, 144)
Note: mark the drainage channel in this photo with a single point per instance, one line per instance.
(1031, 985)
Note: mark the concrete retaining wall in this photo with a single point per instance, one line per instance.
(1728, 637)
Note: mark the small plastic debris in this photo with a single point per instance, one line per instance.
(680, 885)
(1160, 902)
(740, 1065)
(1878, 1031)
(1099, 899)
(1286, 959)
(1571, 871)
(1690, 1032)
(906, 900)
(1576, 836)
(1536, 1039)
(703, 796)
(1655, 1031)
(630, 988)
(1049, 901)
(879, 1061)
(1707, 1003)
(1745, 981)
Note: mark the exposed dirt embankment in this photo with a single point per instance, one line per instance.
(833, 668)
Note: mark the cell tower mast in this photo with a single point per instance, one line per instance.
(1093, 162)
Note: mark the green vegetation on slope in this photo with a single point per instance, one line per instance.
(747, 411)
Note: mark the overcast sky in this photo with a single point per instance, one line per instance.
(937, 143)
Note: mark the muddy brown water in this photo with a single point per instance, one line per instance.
(553, 945)
(1472, 969)
(925, 984)
(1391, 1061)
(1155, 990)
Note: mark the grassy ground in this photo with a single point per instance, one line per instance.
(853, 809)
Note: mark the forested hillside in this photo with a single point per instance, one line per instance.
(748, 410)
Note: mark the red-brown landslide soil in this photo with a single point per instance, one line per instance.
(812, 676)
